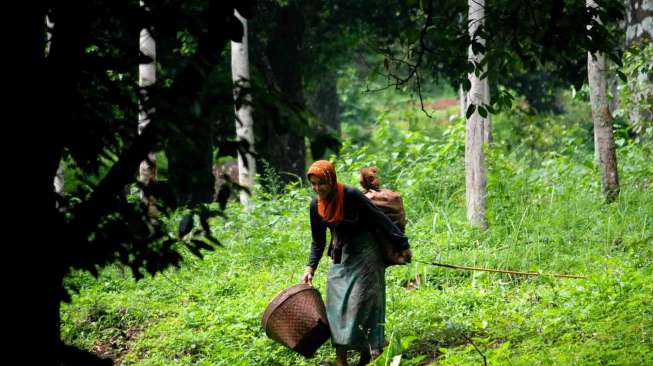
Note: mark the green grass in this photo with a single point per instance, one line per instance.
(546, 213)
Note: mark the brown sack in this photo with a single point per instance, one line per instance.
(391, 204)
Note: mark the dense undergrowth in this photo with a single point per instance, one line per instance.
(546, 213)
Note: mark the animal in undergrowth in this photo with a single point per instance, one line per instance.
(224, 174)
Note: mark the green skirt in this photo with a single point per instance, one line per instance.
(355, 301)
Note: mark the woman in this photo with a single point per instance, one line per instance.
(355, 300)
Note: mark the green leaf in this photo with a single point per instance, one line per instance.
(467, 85)
(201, 244)
(477, 48)
(194, 250)
(482, 111)
(185, 225)
(622, 76)
(615, 59)
(470, 110)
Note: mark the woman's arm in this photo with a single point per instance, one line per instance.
(318, 232)
(377, 219)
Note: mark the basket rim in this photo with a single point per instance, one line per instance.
(281, 298)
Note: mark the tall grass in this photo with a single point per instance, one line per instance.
(546, 213)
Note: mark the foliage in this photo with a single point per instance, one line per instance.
(518, 39)
(635, 90)
(546, 216)
(85, 100)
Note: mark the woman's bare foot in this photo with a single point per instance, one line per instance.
(374, 354)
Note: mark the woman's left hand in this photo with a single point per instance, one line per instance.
(405, 256)
(307, 277)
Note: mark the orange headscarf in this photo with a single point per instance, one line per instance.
(332, 208)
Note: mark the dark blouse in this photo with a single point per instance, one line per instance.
(359, 214)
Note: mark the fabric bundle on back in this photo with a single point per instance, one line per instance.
(388, 201)
(391, 204)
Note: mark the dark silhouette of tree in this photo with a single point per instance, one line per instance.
(80, 101)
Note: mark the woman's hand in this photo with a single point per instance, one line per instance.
(307, 277)
(405, 256)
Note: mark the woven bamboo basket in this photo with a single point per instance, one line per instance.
(296, 318)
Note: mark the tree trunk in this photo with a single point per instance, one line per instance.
(603, 138)
(639, 27)
(487, 122)
(244, 121)
(59, 177)
(59, 181)
(639, 21)
(613, 82)
(146, 78)
(475, 171)
(462, 99)
(325, 103)
(286, 148)
(34, 290)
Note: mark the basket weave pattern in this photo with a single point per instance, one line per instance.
(297, 319)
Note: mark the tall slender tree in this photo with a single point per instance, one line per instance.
(243, 107)
(59, 181)
(639, 31)
(59, 176)
(603, 136)
(147, 78)
(462, 100)
(475, 170)
(487, 119)
(279, 56)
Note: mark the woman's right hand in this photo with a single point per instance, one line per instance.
(307, 277)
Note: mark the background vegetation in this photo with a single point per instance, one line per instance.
(546, 212)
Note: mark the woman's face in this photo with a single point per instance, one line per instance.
(319, 186)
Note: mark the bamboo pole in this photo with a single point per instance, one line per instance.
(467, 268)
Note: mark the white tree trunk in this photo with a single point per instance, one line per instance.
(603, 138)
(59, 180)
(48, 35)
(487, 122)
(462, 99)
(639, 27)
(59, 177)
(475, 171)
(244, 121)
(146, 78)
(639, 21)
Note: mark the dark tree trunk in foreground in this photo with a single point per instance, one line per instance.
(284, 143)
(325, 103)
(47, 244)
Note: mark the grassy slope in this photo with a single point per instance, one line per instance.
(546, 214)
